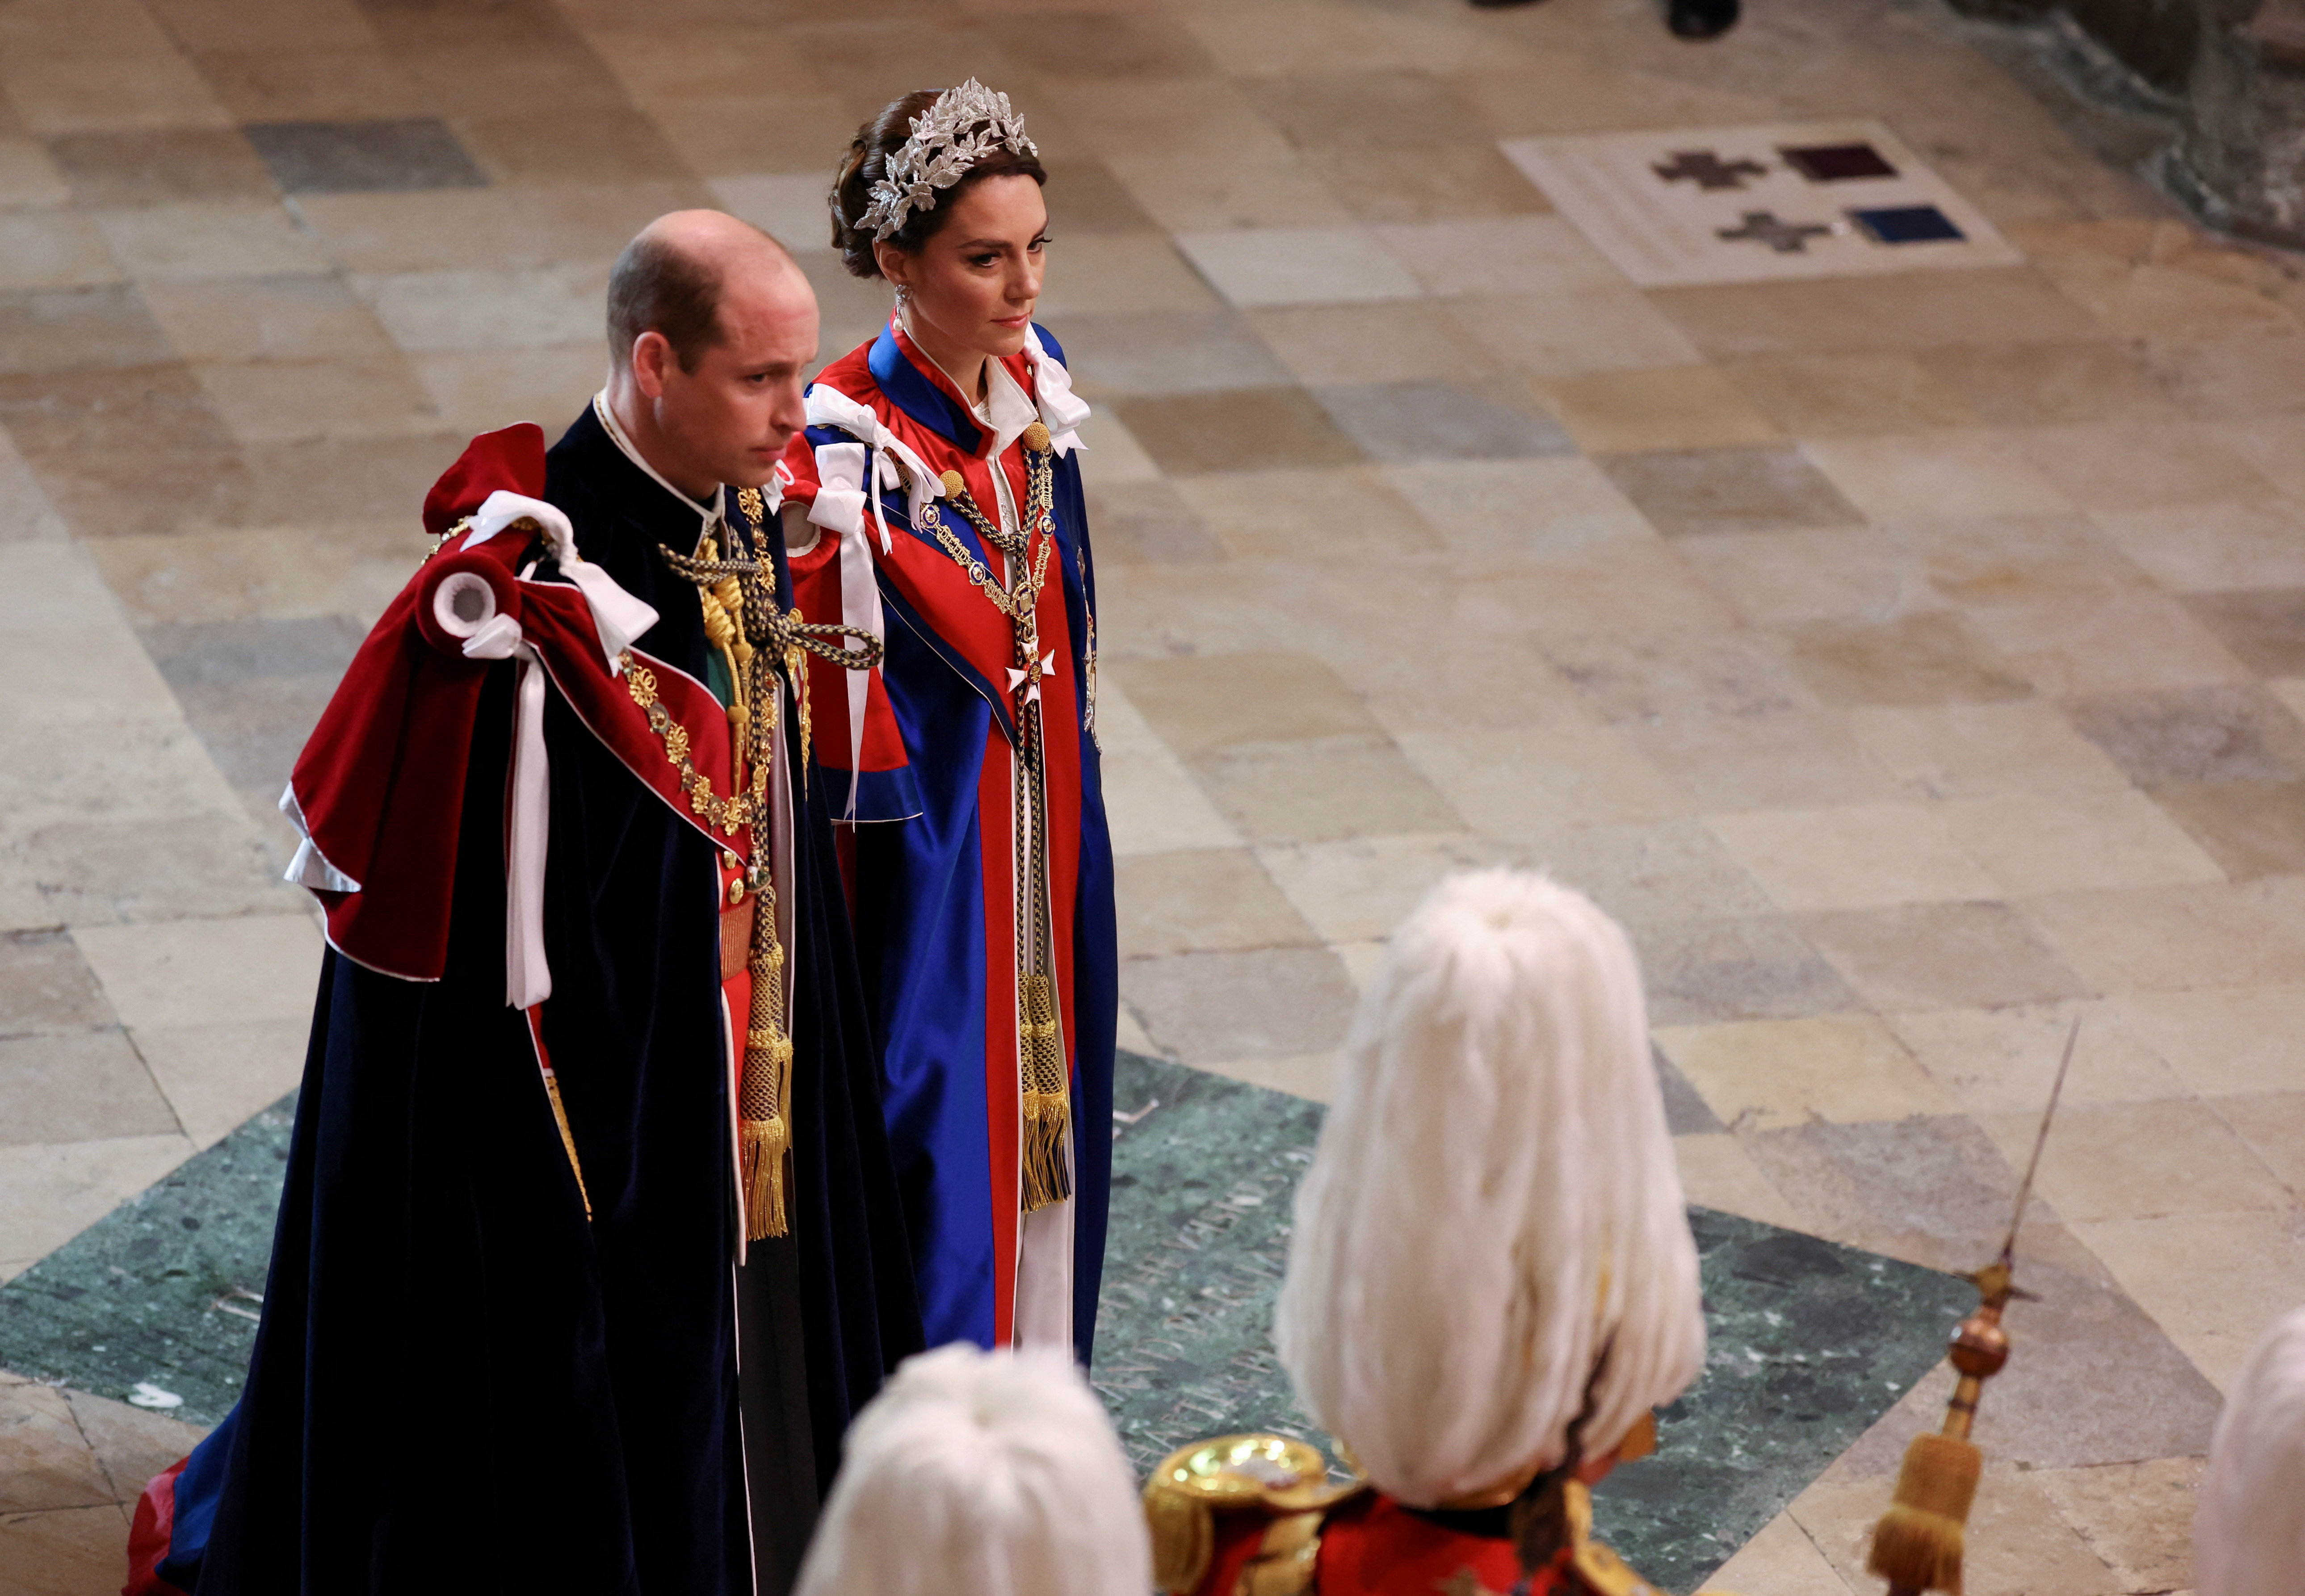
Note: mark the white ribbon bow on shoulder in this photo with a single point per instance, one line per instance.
(617, 619)
(830, 407)
(1061, 411)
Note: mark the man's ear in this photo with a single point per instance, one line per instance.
(653, 353)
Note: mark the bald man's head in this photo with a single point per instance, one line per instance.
(713, 329)
(671, 279)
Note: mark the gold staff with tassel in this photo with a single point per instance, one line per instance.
(1917, 1544)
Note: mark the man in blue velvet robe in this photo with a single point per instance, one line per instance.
(527, 1327)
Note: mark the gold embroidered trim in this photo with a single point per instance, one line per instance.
(1088, 659)
(568, 1137)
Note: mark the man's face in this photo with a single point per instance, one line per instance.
(731, 416)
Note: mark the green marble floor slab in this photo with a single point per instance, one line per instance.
(164, 1289)
(1811, 1341)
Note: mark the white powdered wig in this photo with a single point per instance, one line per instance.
(981, 1474)
(2249, 1537)
(1493, 1201)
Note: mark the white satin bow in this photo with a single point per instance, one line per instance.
(1061, 411)
(830, 407)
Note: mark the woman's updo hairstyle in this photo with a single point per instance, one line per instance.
(867, 163)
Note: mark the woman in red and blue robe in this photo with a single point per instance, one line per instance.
(923, 757)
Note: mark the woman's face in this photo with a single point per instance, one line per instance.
(973, 284)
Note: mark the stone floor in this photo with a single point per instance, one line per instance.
(1914, 662)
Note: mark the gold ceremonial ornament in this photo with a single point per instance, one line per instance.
(1245, 1467)
(1285, 1480)
(763, 647)
(1919, 1543)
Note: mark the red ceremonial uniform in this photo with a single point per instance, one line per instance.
(1251, 1515)
(1370, 1543)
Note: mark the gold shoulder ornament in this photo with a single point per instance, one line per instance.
(1285, 1481)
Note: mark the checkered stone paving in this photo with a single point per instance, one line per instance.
(1908, 656)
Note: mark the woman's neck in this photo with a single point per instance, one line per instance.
(964, 366)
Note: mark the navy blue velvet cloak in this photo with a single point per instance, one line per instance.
(462, 1385)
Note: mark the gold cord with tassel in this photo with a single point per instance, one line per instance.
(1048, 1101)
(764, 1099)
(723, 603)
(756, 639)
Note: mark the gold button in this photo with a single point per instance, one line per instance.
(730, 862)
(736, 892)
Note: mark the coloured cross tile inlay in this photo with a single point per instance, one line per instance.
(1688, 206)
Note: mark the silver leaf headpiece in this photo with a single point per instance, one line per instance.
(965, 125)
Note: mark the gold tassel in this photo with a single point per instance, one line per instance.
(1046, 1180)
(1917, 1544)
(763, 1098)
(764, 1144)
(767, 1130)
(1048, 1107)
(567, 1138)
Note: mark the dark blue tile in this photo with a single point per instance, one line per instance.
(253, 690)
(1907, 224)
